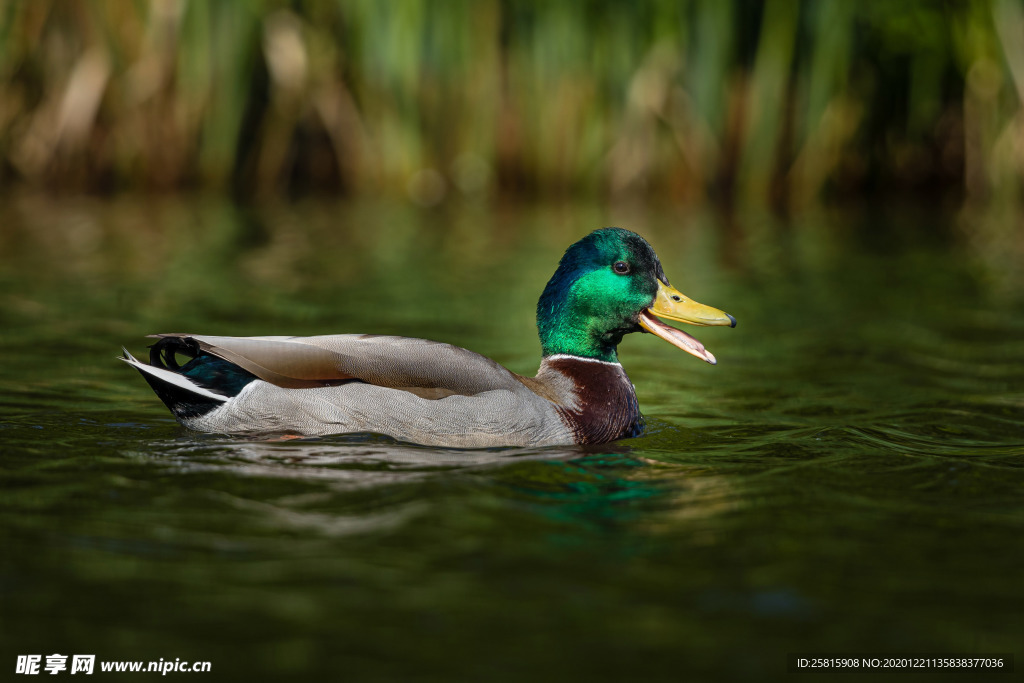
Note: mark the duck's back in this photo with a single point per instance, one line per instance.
(387, 361)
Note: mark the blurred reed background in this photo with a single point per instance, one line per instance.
(780, 102)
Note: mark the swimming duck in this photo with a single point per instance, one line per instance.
(607, 285)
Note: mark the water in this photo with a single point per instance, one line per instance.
(847, 479)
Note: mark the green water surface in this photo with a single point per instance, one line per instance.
(847, 479)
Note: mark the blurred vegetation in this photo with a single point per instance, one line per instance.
(781, 101)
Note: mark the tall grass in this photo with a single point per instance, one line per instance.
(782, 101)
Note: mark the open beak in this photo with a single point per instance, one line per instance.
(672, 304)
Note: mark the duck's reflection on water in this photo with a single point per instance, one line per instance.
(353, 457)
(363, 483)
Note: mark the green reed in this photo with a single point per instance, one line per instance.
(781, 101)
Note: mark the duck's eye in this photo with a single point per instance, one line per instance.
(621, 267)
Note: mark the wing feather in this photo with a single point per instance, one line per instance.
(396, 362)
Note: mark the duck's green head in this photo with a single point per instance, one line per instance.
(607, 285)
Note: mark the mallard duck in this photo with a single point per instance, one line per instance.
(607, 285)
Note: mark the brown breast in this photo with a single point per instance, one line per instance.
(602, 406)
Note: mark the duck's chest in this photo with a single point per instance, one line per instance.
(600, 403)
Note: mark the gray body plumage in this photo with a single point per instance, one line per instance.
(499, 417)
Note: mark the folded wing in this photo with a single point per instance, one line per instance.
(427, 368)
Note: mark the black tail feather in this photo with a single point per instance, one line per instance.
(182, 402)
(162, 353)
(203, 368)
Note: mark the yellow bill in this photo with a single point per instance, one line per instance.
(672, 304)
